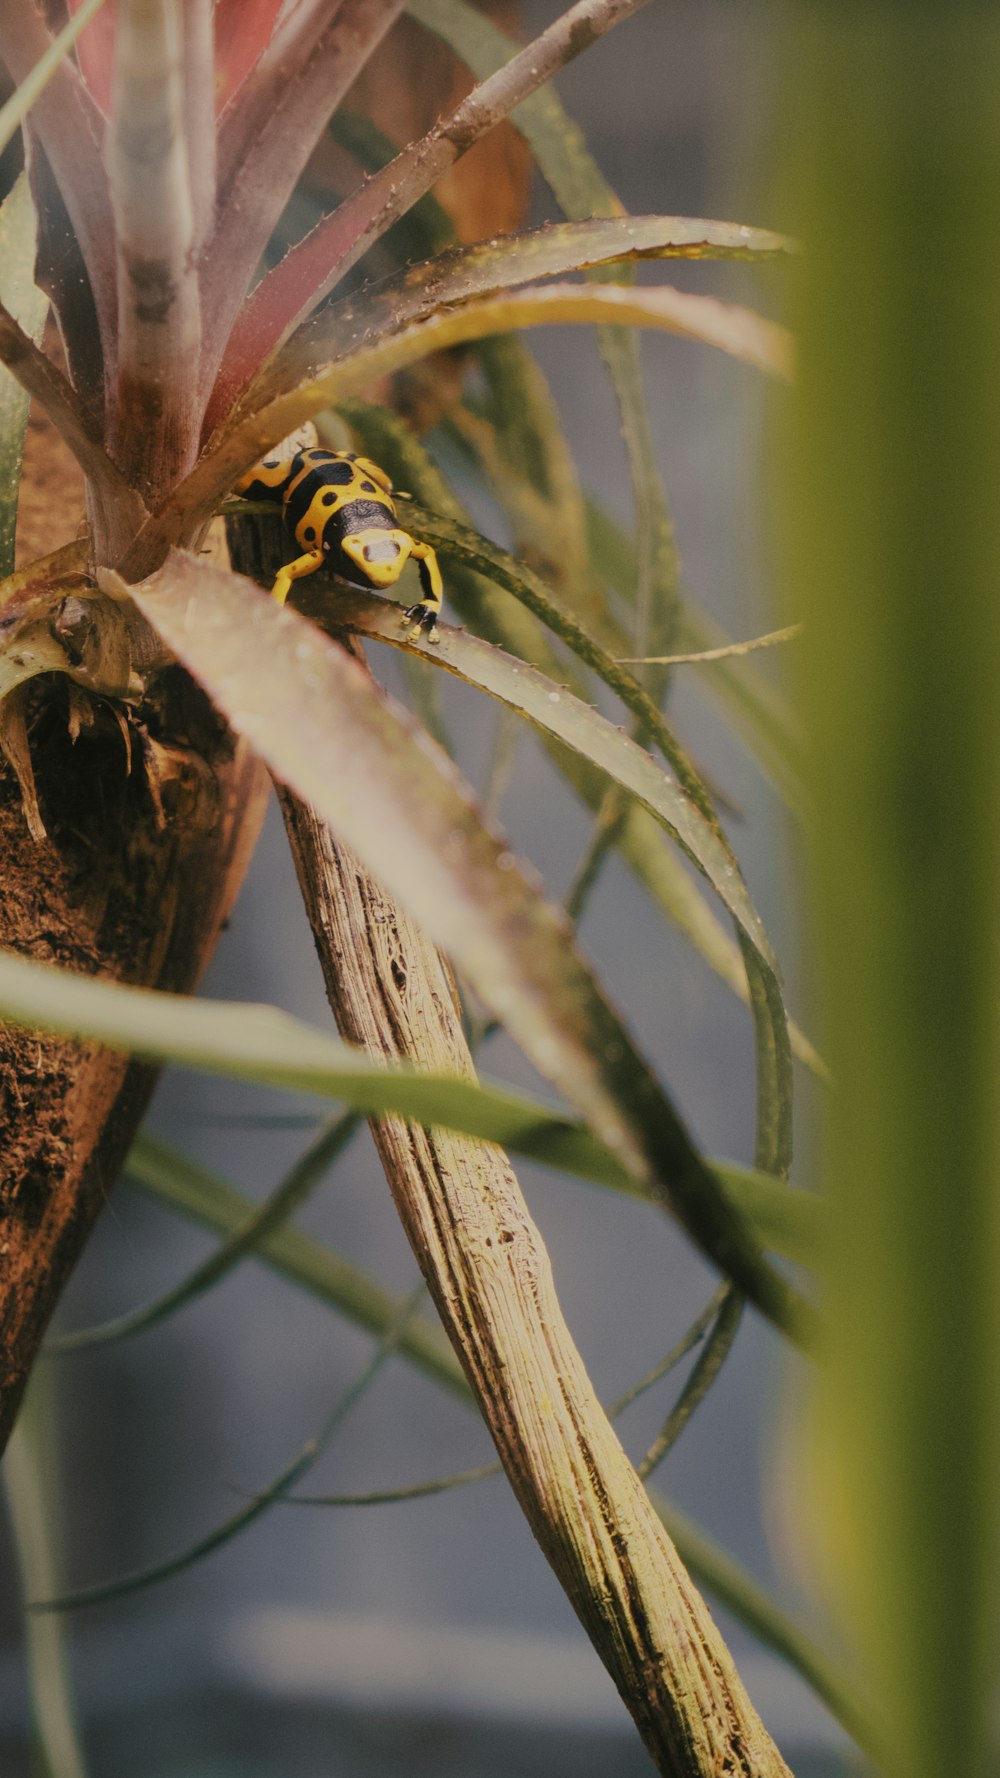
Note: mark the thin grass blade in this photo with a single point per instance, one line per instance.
(549, 706)
(288, 1196)
(30, 1486)
(300, 1465)
(186, 1189)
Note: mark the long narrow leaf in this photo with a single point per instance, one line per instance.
(305, 388)
(889, 478)
(156, 415)
(551, 707)
(70, 127)
(654, 863)
(490, 266)
(31, 1489)
(261, 1044)
(295, 287)
(284, 127)
(28, 307)
(283, 1202)
(307, 707)
(187, 1189)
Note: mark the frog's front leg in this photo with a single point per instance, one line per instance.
(302, 565)
(425, 615)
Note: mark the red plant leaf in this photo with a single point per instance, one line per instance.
(95, 52)
(243, 30)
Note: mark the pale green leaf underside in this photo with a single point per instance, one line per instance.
(262, 1044)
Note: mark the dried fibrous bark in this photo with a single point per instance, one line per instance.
(133, 881)
(489, 1274)
(149, 824)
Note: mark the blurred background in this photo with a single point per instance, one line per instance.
(430, 1636)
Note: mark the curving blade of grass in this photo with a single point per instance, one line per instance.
(654, 863)
(309, 708)
(187, 1189)
(304, 387)
(581, 190)
(549, 706)
(28, 307)
(729, 1312)
(288, 1196)
(223, 1534)
(756, 709)
(463, 273)
(30, 1481)
(261, 1044)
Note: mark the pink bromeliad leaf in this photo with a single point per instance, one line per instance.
(243, 30)
(95, 52)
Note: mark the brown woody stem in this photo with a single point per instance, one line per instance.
(488, 1271)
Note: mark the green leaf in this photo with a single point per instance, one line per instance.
(757, 711)
(654, 863)
(307, 706)
(29, 307)
(32, 1492)
(551, 707)
(581, 191)
(299, 385)
(259, 1043)
(889, 491)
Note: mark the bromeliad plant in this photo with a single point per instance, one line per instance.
(164, 142)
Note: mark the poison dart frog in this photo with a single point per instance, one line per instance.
(340, 510)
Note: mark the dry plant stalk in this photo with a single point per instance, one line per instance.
(489, 1274)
